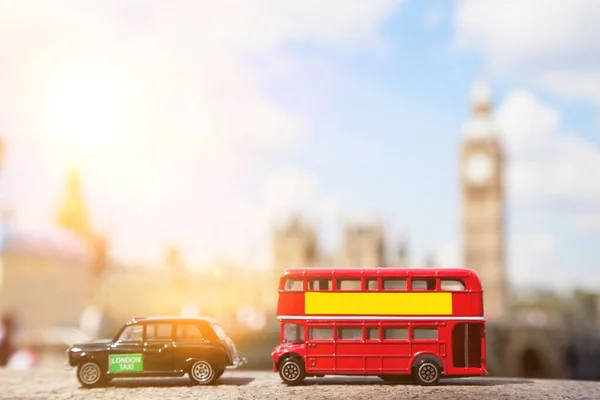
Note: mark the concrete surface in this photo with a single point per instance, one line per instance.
(56, 383)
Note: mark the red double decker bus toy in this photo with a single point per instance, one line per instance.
(398, 324)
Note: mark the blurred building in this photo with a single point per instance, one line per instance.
(294, 246)
(45, 284)
(364, 246)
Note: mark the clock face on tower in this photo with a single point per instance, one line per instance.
(479, 168)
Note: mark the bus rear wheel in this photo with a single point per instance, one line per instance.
(427, 373)
(292, 371)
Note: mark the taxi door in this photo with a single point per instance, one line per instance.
(158, 347)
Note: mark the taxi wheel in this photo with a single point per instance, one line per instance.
(427, 373)
(292, 371)
(202, 373)
(90, 375)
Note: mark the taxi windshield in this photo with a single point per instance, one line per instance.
(219, 331)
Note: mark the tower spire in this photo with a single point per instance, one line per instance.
(72, 213)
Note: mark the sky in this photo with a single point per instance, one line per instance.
(205, 123)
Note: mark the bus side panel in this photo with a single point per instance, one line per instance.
(467, 304)
(290, 303)
(395, 357)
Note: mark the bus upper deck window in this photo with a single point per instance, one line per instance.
(423, 284)
(394, 284)
(348, 284)
(452, 284)
(371, 284)
(319, 284)
(293, 284)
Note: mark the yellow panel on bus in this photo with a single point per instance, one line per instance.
(316, 303)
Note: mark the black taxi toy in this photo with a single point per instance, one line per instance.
(157, 346)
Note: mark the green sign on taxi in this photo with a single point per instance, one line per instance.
(125, 363)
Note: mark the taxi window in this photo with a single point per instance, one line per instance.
(133, 333)
(188, 332)
(158, 331)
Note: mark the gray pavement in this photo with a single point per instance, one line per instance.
(56, 383)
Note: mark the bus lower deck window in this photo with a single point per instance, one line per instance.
(395, 333)
(425, 333)
(373, 333)
(320, 333)
(349, 333)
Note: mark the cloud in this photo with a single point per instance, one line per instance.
(555, 45)
(449, 255)
(586, 222)
(532, 259)
(194, 125)
(289, 192)
(545, 164)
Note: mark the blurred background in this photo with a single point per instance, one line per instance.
(175, 157)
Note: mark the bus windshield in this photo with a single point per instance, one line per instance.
(293, 333)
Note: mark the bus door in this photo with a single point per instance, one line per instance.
(351, 352)
(466, 345)
(320, 349)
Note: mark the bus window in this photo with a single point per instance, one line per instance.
(423, 284)
(395, 333)
(348, 284)
(394, 284)
(293, 333)
(372, 333)
(425, 333)
(349, 333)
(293, 284)
(371, 284)
(452, 284)
(320, 333)
(319, 284)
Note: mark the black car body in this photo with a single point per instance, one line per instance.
(157, 346)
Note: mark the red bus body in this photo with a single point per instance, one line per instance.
(381, 321)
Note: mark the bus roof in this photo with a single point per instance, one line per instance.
(384, 272)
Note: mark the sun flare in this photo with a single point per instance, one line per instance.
(87, 109)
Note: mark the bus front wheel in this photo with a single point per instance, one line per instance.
(292, 371)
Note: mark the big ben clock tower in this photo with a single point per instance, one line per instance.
(483, 201)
